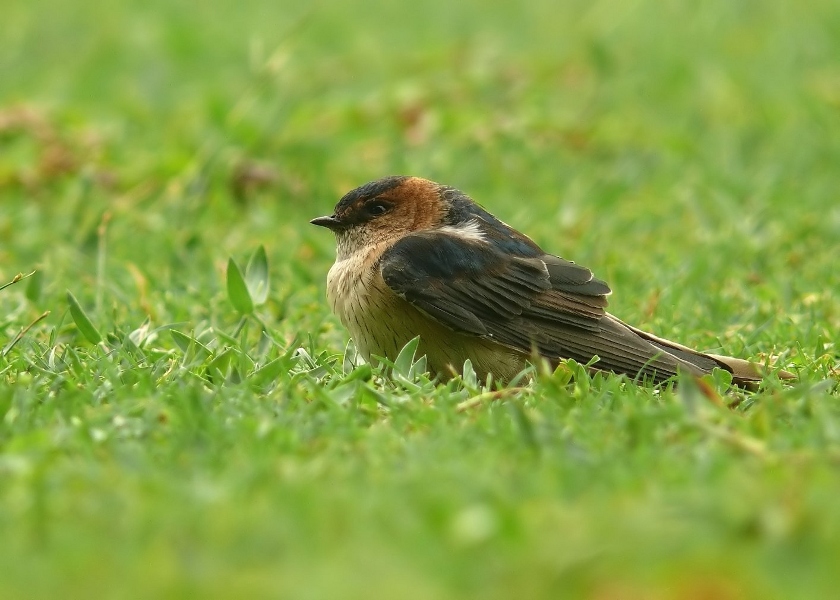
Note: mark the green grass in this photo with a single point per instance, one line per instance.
(176, 448)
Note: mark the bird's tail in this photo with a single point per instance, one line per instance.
(744, 372)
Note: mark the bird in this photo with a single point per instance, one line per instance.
(415, 258)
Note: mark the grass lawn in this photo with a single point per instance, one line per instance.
(164, 433)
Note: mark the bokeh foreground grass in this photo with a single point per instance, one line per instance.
(189, 441)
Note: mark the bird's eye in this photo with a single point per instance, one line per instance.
(376, 209)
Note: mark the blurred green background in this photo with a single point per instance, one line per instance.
(688, 153)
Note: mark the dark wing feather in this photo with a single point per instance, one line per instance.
(523, 302)
(440, 273)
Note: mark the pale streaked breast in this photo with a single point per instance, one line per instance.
(381, 323)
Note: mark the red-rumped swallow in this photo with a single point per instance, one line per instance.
(416, 258)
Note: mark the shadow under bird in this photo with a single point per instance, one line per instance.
(416, 258)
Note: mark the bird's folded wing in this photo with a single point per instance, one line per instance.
(528, 303)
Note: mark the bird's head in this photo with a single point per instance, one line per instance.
(383, 211)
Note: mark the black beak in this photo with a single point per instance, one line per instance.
(330, 222)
